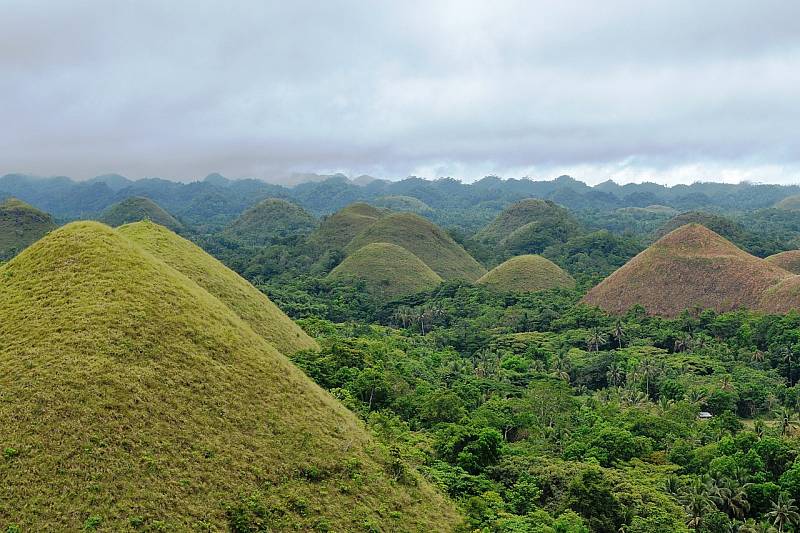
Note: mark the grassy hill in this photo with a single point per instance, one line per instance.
(529, 226)
(133, 399)
(716, 223)
(526, 273)
(790, 203)
(271, 220)
(789, 261)
(20, 226)
(138, 208)
(337, 230)
(782, 297)
(387, 270)
(425, 240)
(654, 209)
(690, 267)
(245, 300)
(403, 203)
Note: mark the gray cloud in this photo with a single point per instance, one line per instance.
(672, 91)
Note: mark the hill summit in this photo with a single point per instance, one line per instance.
(789, 261)
(689, 267)
(424, 239)
(249, 303)
(20, 226)
(335, 231)
(530, 226)
(134, 399)
(526, 273)
(138, 208)
(269, 221)
(387, 270)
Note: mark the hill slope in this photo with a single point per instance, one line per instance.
(339, 229)
(721, 225)
(271, 220)
(530, 226)
(526, 273)
(20, 226)
(690, 267)
(783, 297)
(134, 399)
(135, 209)
(790, 203)
(245, 300)
(387, 270)
(425, 240)
(789, 261)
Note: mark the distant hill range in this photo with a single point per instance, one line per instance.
(221, 199)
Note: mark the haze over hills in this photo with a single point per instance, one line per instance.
(138, 208)
(425, 240)
(526, 273)
(138, 399)
(690, 267)
(21, 225)
(387, 270)
(244, 299)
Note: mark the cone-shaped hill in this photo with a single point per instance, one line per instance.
(20, 226)
(526, 273)
(249, 303)
(690, 267)
(138, 208)
(424, 239)
(387, 270)
(721, 225)
(789, 261)
(403, 203)
(782, 297)
(133, 396)
(790, 203)
(339, 229)
(530, 226)
(271, 220)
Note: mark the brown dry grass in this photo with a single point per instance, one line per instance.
(787, 260)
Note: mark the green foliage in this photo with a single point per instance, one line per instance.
(136, 209)
(20, 226)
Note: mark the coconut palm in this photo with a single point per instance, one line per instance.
(596, 339)
(788, 357)
(648, 369)
(783, 512)
(788, 421)
(757, 356)
(696, 502)
(726, 384)
(619, 332)
(615, 374)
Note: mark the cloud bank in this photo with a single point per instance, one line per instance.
(667, 91)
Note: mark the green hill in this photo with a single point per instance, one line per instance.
(133, 399)
(526, 273)
(245, 300)
(530, 226)
(20, 226)
(335, 231)
(716, 223)
(135, 209)
(649, 210)
(425, 240)
(387, 270)
(690, 267)
(790, 203)
(403, 203)
(269, 221)
(789, 261)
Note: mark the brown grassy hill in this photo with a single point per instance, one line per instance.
(424, 239)
(134, 400)
(690, 267)
(20, 226)
(339, 229)
(249, 303)
(387, 270)
(782, 297)
(526, 273)
(789, 261)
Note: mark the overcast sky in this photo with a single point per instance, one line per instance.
(671, 91)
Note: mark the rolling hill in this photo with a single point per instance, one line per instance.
(20, 226)
(690, 267)
(717, 223)
(526, 273)
(337, 230)
(133, 399)
(245, 300)
(387, 270)
(790, 203)
(269, 221)
(135, 209)
(529, 226)
(789, 261)
(782, 297)
(403, 203)
(425, 240)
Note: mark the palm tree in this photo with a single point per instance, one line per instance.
(648, 370)
(696, 503)
(783, 512)
(788, 421)
(619, 332)
(726, 384)
(596, 339)
(560, 367)
(759, 427)
(615, 374)
(697, 396)
(757, 356)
